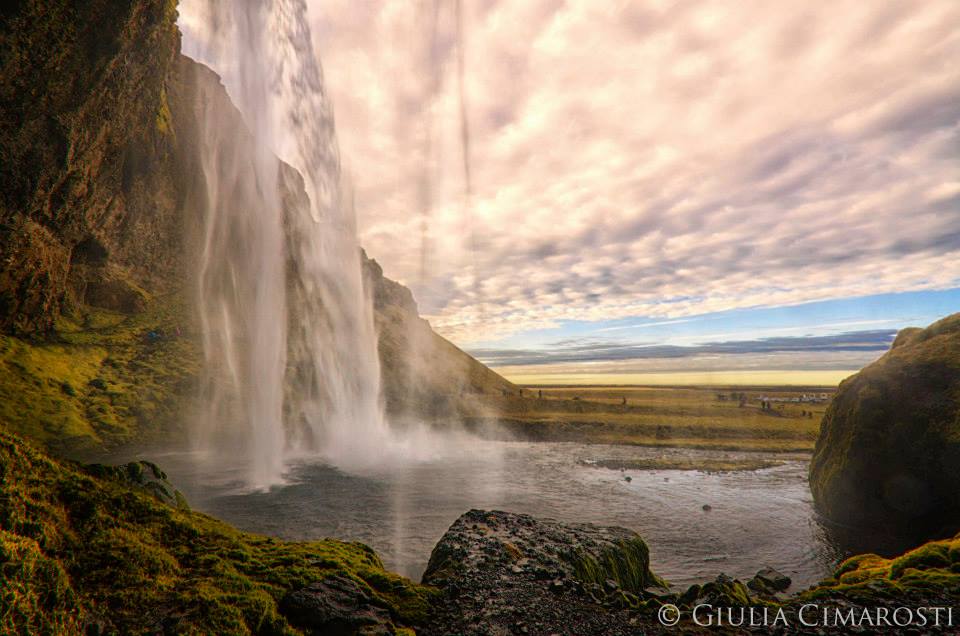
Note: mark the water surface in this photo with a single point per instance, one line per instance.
(755, 518)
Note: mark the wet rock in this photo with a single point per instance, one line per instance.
(769, 581)
(336, 606)
(707, 507)
(142, 475)
(723, 591)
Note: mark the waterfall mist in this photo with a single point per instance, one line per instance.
(288, 330)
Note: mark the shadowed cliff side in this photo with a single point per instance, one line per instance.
(889, 446)
(90, 203)
(423, 373)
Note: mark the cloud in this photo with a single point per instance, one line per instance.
(590, 350)
(661, 160)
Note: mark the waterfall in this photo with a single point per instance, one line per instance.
(288, 330)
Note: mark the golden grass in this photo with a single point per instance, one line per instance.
(667, 416)
(99, 379)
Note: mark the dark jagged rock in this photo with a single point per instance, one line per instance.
(504, 573)
(143, 475)
(889, 446)
(336, 606)
(769, 581)
(86, 148)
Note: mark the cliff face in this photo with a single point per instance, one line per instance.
(101, 200)
(88, 207)
(889, 446)
(424, 373)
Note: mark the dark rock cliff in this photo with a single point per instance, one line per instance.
(88, 208)
(889, 446)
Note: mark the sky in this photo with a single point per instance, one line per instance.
(658, 191)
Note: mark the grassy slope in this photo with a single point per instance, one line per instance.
(77, 549)
(100, 380)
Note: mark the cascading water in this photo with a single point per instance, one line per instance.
(288, 329)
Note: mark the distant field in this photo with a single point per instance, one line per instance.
(702, 417)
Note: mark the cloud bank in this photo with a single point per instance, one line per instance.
(592, 350)
(657, 159)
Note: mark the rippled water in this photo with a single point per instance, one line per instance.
(756, 518)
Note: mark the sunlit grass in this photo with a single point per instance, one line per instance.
(100, 378)
(670, 416)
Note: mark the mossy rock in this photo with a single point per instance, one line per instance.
(889, 446)
(928, 571)
(627, 562)
(79, 550)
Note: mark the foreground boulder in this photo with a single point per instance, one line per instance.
(336, 606)
(889, 446)
(504, 573)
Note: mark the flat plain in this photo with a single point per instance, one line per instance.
(721, 417)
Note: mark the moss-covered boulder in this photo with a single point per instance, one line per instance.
(93, 550)
(506, 573)
(928, 573)
(889, 446)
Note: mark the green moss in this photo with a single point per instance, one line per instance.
(929, 556)
(100, 379)
(35, 593)
(932, 567)
(628, 564)
(164, 118)
(77, 548)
